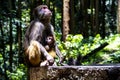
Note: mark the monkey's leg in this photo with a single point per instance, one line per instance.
(46, 62)
(34, 53)
(43, 51)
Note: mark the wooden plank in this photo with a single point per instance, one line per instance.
(75, 73)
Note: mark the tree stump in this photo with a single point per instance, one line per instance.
(75, 73)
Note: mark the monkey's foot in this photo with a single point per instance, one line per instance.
(50, 59)
(45, 63)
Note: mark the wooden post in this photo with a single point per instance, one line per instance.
(38, 73)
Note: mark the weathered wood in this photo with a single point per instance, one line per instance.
(38, 73)
(75, 73)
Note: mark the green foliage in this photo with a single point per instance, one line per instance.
(76, 44)
(18, 23)
(1, 58)
(111, 53)
(71, 45)
(58, 16)
(25, 15)
(18, 73)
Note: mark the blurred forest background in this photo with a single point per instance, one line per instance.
(89, 30)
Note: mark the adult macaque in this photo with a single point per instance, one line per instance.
(35, 39)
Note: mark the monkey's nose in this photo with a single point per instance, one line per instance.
(49, 13)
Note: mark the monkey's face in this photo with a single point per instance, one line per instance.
(49, 40)
(43, 13)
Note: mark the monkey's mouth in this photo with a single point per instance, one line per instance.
(47, 15)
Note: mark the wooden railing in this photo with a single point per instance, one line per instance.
(75, 73)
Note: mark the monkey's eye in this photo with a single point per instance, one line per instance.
(44, 7)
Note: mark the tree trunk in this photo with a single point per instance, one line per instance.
(103, 18)
(53, 12)
(84, 6)
(10, 37)
(118, 18)
(11, 42)
(97, 16)
(94, 17)
(66, 19)
(72, 19)
(19, 34)
(2, 46)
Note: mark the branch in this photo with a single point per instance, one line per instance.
(95, 51)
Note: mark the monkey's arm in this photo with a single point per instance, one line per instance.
(46, 54)
(35, 31)
(58, 53)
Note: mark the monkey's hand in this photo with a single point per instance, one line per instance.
(47, 47)
(61, 61)
(50, 59)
